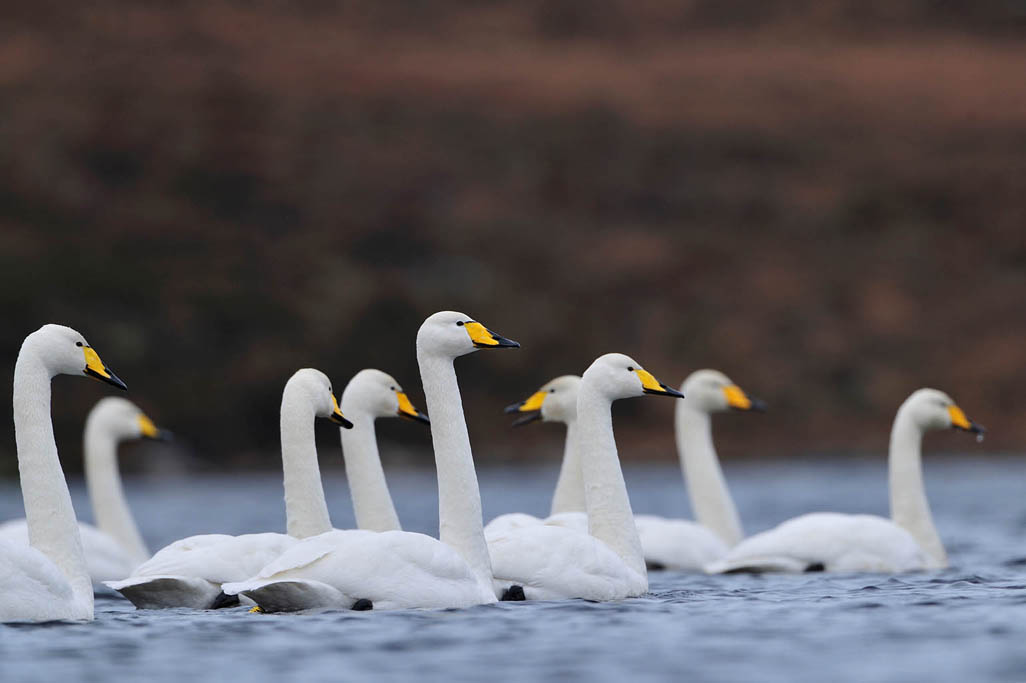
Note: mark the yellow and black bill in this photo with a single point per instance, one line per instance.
(484, 338)
(653, 386)
(148, 430)
(737, 399)
(337, 417)
(530, 410)
(960, 421)
(94, 367)
(408, 412)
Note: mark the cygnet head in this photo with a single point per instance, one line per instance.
(314, 387)
(615, 375)
(451, 334)
(377, 394)
(123, 420)
(556, 401)
(710, 391)
(63, 351)
(930, 409)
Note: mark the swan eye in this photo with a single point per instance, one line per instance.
(630, 368)
(552, 391)
(78, 343)
(459, 323)
(392, 388)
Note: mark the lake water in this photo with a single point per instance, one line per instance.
(966, 623)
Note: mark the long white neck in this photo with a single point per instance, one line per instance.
(106, 494)
(610, 518)
(909, 507)
(372, 502)
(52, 527)
(306, 511)
(569, 495)
(710, 499)
(459, 498)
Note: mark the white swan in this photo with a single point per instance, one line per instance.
(359, 569)
(369, 395)
(545, 562)
(114, 547)
(48, 579)
(826, 541)
(190, 571)
(556, 401)
(690, 545)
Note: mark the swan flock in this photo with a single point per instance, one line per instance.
(591, 545)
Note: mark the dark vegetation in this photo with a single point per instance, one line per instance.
(825, 200)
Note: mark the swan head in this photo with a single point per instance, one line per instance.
(64, 351)
(615, 375)
(123, 420)
(930, 409)
(555, 401)
(315, 387)
(710, 391)
(452, 334)
(377, 394)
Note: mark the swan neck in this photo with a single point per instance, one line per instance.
(459, 497)
(569, 494)
(106, 493)
(909, 506)
(52, 526)
(610, 518)
(707, 488)
(306, 510)
(372, 503)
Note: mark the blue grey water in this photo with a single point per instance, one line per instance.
(966, 623)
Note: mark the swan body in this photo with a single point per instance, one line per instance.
(681, 544)
(605, 562)
(398, 569)
(865, 543)
(189, 572)
(115, 547)
(555, 401)
(47, 579)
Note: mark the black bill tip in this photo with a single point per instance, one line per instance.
(527, 418)
(341, 421)
(113, 379)
(758, 405)
(664, 390)
(419, 417)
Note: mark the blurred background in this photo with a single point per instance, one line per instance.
(825, 200)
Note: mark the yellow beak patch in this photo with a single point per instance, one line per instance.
(534, 402)
(146, 427)
(958, 418)
(405, 405)
(736, 398)
(93, 363)
(480, 335)
(647, 380)
(336, 412)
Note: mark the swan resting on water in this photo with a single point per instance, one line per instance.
(47, 579)
(828, 541)
(681, 544)
(359, 569)
(606, 562)
(190, 571)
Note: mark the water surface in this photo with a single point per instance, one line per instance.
(966, 623)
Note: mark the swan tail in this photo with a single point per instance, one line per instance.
(765, 564)
(293, 595)
(162, 592)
